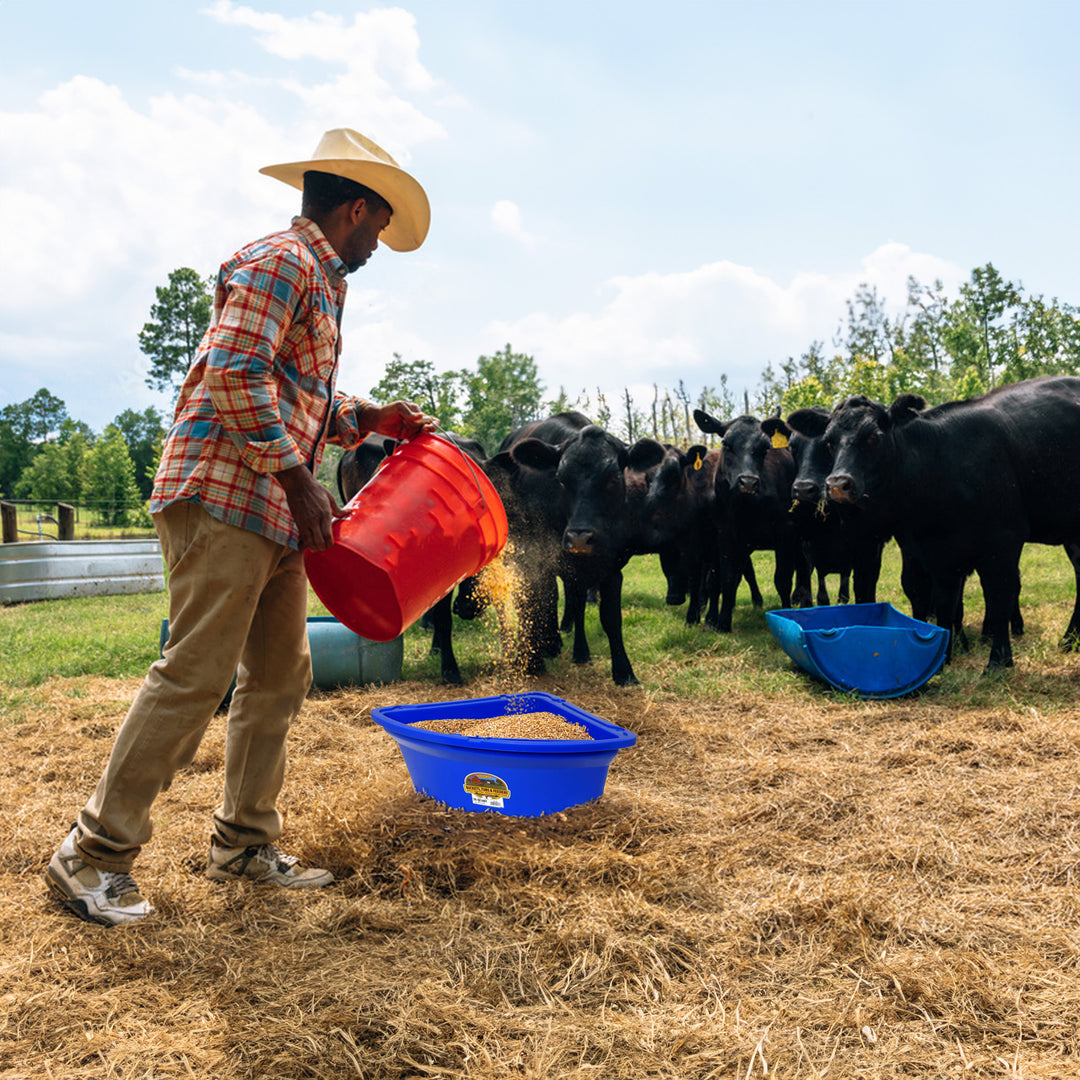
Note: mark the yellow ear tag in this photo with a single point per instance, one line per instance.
(779, 440)
(697, 463)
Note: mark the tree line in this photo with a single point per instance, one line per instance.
(991, 333)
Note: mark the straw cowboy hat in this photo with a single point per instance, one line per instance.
(345, 152)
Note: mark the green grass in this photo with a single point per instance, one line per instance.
(118, 637)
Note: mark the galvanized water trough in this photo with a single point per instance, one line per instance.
(55, 570)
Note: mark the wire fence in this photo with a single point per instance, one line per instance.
(35, 519)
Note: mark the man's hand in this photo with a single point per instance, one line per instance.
(399, 419)
(313, 507)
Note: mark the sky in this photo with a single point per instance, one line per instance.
(633, 194)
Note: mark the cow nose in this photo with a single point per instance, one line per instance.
(579, 541)
(805, 490)
(841, 487)
(748, 484)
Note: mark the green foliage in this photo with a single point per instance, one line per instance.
(502, 394)
(143, 432)
(177, 323)
(438, 394)
(107, 474)
(23, 427)
(804, 394)
(55, 474)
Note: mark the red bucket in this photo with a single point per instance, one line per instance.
(425, 521)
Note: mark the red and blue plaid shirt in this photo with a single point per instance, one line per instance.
(259, 396)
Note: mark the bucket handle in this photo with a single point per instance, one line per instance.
(469, 463)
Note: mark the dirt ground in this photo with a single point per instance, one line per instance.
(767, 888)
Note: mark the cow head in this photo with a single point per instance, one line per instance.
(745, 444)
(654, 493)
(590, 474)
(812, 456)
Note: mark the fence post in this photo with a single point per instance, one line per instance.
(10, 522)
(66, 514)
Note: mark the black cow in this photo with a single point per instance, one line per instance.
(589, 511)
(671, 496)
(963, 487)
(839, 539)
(355, 468)
(753, 494)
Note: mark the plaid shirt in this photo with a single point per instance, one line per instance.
(259, 396)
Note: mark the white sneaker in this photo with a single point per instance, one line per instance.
(265, 863)
(98, 896)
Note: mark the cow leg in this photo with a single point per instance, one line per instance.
(822, 591)
(866, 570)
(550, 639)
(783, 574)
(726, 586)
(675, 573)
(751, 581)
(696, 577)
(946, 600)
(844, 595)
(575, 609)
(527, 654)
(1001, 590)
(918, 588)
(611, 621)
(803, 595)
(1070, 640)
(442, 621)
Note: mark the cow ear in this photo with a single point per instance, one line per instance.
(502, 462)
(809, 422)
(709, 424)
(389, 445)
(536, 454)
(646, 454)
(777, 431)
(905, 408)
(695, 456)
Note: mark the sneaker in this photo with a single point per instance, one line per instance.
(98, 896)
(265, 864)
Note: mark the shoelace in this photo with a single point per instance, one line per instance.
(118, 884)
(273, 852)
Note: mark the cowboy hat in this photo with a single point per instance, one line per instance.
(347, 153)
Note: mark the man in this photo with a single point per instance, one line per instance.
(235, 502)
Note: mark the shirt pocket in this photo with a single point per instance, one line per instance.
(314, 346)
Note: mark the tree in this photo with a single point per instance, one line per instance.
(23, 427)
(438, 394)
(55, 473)
(108, 479)
(503, 393)
(177, 323)
(143, 433)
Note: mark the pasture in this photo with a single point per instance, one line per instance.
(780, 880)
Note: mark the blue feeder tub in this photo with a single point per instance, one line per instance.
(517, 777)
(871, 650)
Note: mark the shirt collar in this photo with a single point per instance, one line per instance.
(323, 250)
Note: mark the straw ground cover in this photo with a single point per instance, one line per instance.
(778, 881)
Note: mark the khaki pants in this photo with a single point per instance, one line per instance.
(237, 604)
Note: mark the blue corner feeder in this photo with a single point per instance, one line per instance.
(871, 650)
(517, 777)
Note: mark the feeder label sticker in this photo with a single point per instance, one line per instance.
(486, 789)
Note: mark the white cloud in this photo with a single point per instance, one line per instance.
(376, 52)
(720, 318)
(506, 217)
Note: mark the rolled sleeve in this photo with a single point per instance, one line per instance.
(344, 429)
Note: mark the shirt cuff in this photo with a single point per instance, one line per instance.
(345, 430)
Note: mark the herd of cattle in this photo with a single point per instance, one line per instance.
(961, 487)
